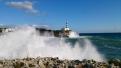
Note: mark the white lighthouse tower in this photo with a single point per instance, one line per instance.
(66, 30)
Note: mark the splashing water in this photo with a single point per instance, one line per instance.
(73, 35)
(26, 42)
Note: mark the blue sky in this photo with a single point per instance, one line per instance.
(82, 15)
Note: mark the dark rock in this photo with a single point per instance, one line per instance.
(31, 65)
(49, 62)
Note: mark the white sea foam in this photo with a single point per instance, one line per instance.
(26, 42)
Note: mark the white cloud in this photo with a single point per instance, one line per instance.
(25, 5)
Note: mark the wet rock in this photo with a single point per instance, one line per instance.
(49, 62)
(32, 65)
(1, 66)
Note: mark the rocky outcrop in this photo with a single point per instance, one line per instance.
(49, 62)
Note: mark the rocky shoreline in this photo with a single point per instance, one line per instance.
(49, 62)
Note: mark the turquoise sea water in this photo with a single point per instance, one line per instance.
(108, 44)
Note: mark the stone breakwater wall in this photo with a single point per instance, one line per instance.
(49, 62)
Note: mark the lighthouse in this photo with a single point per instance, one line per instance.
(66, 30)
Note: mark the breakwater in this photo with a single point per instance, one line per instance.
(49, 62)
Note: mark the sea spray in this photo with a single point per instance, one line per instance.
(90, 52)
(73, 34)
(27, 42)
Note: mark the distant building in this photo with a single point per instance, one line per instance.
(64, 32)
(6, 28)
